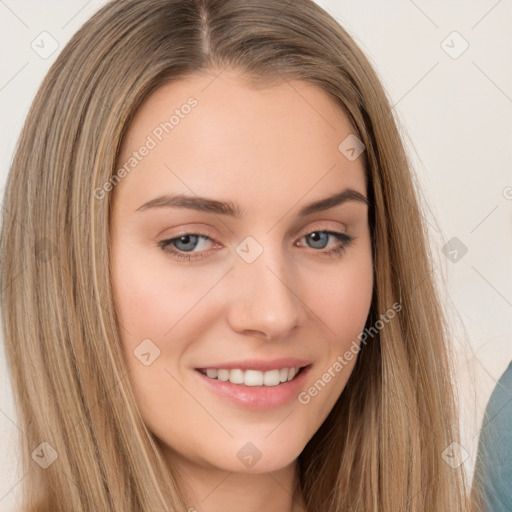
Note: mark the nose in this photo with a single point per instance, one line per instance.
(263, 298)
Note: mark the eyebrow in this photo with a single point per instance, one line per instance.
(204, 204)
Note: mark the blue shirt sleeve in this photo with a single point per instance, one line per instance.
(493, 469)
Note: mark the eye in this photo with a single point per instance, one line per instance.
(320, 240)
(184, 247)
(179, 246)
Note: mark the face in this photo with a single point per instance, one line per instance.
(233, 268)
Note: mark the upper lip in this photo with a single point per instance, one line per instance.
(260, 364)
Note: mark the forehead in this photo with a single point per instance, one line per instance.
(213, 132)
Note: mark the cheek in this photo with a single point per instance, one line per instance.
(152, 301)
(344, 308)
(342, 298)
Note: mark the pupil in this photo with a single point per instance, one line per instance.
(317, 236)
(187, 239)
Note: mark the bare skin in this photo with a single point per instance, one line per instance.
(271, 151)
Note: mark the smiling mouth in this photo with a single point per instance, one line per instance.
(268, 378)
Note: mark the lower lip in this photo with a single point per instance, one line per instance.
(257, 397)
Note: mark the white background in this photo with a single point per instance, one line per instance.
(455, 115)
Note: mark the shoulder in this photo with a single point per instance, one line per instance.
(493, 468)
(498, 413)
(499, 407)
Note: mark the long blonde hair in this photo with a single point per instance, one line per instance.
(380, 449)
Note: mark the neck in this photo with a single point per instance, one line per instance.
(211, 489)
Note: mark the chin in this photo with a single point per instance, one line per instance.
(248, 457)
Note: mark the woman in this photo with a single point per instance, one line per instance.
(263, 370)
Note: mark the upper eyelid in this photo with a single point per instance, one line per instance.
(318, 226)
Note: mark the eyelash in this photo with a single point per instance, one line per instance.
(345, 242)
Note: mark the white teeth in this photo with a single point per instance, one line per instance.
(271, 378)
(212, 373)
(236, 376)
(223, 375)
(252, 377)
